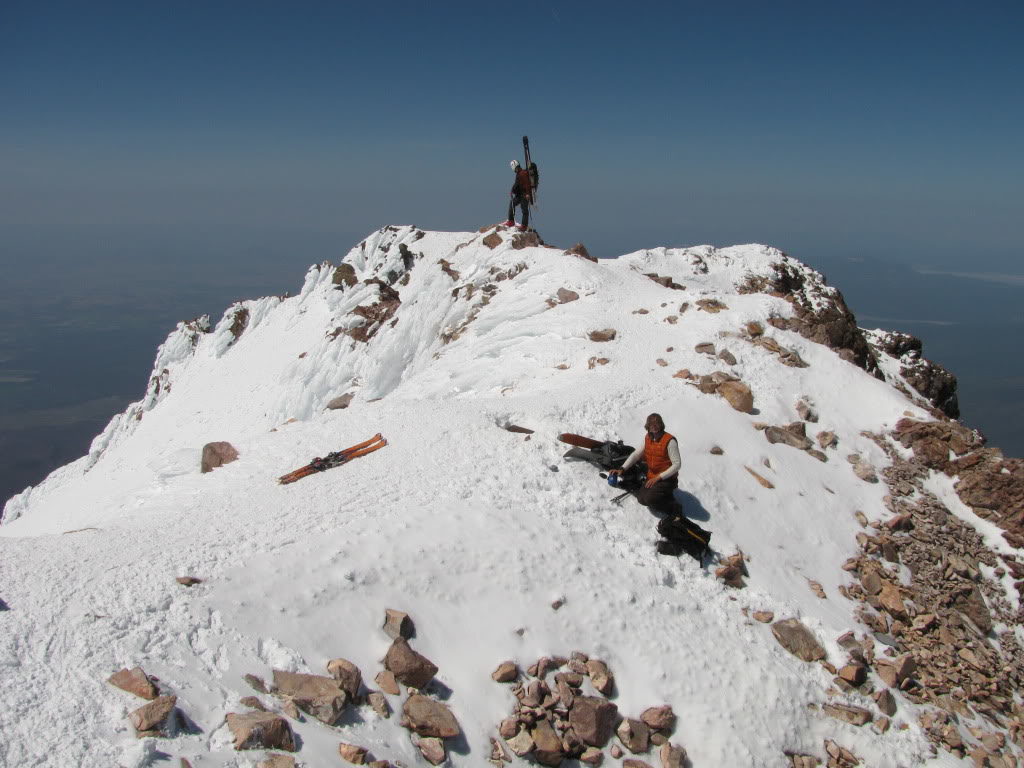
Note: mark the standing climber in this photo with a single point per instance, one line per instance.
(522, 196)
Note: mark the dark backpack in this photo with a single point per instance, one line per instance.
(683, 535)
(534, 177)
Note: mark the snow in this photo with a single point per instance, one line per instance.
(467, 527)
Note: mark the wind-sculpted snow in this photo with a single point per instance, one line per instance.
(475, 531)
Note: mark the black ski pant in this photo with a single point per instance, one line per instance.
(524, 203)
(659, 496)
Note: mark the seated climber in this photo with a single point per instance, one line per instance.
(660, 453)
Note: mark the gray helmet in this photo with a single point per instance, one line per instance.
(514, 165)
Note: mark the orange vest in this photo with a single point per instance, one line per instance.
(656, 454)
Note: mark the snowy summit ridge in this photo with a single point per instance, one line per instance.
(495, 546)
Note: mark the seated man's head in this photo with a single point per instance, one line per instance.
(655, 424)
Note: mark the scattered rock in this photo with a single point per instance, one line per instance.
(634, 763)
(635, 735)
(827, 439)
(798, 640)
(316, 695)
(429, 718)
(547, 749)
(521, 743)
(386, 682)
(765, 617)
(432, 749)
(762, 480)
(506, 672)
(348, 674)
(608, 334)
(397, 624)
(817, 589)
(255, 683)
(341, 402)
(713, 306)
(805, 412)
(664, 280)
(188, 581)
(379, 703)
(152, 718)
(727, 357)
(564, 296)
(593, 719)
(277, 761)
(672, 756)
(787, 437)
(350, 753)
(260, 730)
(600, 676)
(886, 702)
(344, 276)
(134, 681)
(659, 718)
(217, 455)
(705, 348)
(616, 751)
(847, 713)
(738, 395)
(592, 756)
(716, 450)
(581, 250)
(408, 666)
(492, 240)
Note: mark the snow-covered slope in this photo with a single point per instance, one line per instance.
(442, 338)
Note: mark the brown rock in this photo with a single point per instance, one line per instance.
(787, 437)
(871, 581)
(600, 676)
(408, 666)
(346, 673)
(581, 250)
(659, 718)
(217, 455)
(592, 756)
(865, 472)
(547, 749)
(429, 718)
(350, 753)
(277, 761)
(397, 624)
(850, 714)
(261, 730)
(754, 328)
(188, 581)
(506, 672)
(854, 674)
(798, 640)
(731, 575)
(764, 481)
(253, 703)
(386, 681)
(631, 762)
(154, 715)
(432, 749)
(379, 703)
(134, 681)
(727, 357)
(705, 348)
(886, 702)
(972, 605)
(635, 735)
(318, 696)
(827, 439)
(892, 601)
(716, 450)
(738, 395)
(672, 756)
(608, 334)
(522, 743)
(615, 751)
(765, 617)
(564, 296)
(341, 402)
(492, 240)
(593, 718)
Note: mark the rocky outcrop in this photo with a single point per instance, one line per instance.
(819, 312)
(581, 251)
(217, 455)
(930, 380)
(377, 314)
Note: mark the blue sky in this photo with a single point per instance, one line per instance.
(204, 130)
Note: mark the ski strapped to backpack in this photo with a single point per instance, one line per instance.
(335, 459)
(531, 167)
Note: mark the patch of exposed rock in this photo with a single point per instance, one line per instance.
(930, 380)
(217, 454)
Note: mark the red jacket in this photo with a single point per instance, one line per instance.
(656, 454)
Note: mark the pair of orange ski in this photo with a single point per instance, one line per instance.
(335, 459)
